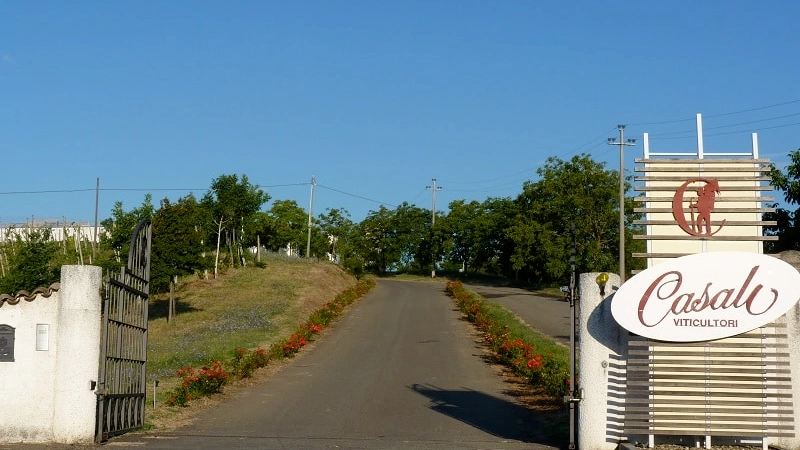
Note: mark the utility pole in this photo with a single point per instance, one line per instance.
(622, 143)
(96, 207)
(433, 189)
(310, 213)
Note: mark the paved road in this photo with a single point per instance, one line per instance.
(400, 371)
(548, 315)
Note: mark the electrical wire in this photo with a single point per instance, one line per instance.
(356, 196)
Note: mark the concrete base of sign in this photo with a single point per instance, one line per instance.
(603, 352)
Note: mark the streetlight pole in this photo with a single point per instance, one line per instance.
(622, 143)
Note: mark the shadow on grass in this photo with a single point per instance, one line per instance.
(496, 416)
(159, 308)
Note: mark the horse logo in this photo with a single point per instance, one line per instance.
(700, 208)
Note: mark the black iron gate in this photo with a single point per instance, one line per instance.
(123, 353)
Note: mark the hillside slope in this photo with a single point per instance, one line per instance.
(243, 308)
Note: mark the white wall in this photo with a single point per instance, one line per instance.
(46, 394)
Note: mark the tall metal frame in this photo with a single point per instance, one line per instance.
(573, 396)
(123, 357)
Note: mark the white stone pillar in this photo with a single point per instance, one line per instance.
(602, 355)
(77, 361)
(793, 332)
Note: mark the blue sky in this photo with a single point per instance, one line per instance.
(373, 98)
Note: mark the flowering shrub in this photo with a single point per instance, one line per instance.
(546, 371)
(206, 381)
(289, 347)
(244, 363)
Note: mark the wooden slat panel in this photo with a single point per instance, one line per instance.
(644, 369)
(718, 200)
(738, 386)
(660, 255)
(716, 210)
(737, 426)
(696, 161)
(683, 432)
(728, 223)
(708, 353)
(703, 387)
(687, 237)
(695, 172)
(701, 346)
(700, 417)
(678, 362)
(739, 403)
(722, 197)
(694, 393)
(697, 409)
(667, 178)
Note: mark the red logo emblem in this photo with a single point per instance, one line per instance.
(700, 208)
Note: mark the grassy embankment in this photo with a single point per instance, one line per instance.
(244, 308)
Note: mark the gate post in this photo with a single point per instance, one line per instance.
(77, 340)
(602, 354)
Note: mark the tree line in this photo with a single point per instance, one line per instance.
(573, 204)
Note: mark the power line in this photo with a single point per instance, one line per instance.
(692, 135)
(68, 191)
(758, 108)
(356, 196)
(755, 109)
(61, 191)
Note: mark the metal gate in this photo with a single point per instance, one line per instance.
(123, 355)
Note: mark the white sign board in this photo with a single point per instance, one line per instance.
(706, 296)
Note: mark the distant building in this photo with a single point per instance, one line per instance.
(59, 230)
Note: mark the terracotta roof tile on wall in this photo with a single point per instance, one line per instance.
(28, 297)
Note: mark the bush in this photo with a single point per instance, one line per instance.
(30, 261)
(206, 381)
(244, 364)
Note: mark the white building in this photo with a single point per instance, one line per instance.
(59, 230)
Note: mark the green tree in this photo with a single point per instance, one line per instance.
(119, 228)
(396, 240)
(258, 229)
(289, 225)
(335, 233)
(460, 225)
(580, 192)
(787, 228)
(376, 241)
(179, 230)
(29, 261)
(414, 237)
(232, 202)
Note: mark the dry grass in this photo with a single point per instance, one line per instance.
(243, 308)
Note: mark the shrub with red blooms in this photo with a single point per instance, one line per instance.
(245, 363)
(205, 381)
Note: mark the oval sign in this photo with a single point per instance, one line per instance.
(706, 296)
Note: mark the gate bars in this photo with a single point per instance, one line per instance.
(123, 353)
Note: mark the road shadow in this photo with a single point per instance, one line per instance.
(159, 309)
(496, 416)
